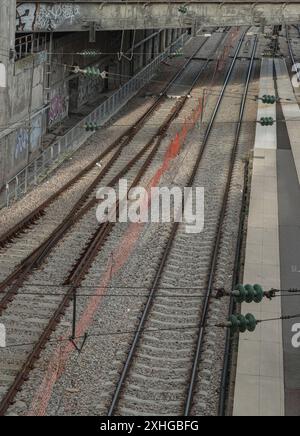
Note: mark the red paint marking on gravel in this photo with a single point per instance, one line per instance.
(61, 354)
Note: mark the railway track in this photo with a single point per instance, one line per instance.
(222, 246)
(30, 249)
(34, 317)
(89, 177)
(173, 331)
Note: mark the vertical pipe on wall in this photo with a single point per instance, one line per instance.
(7, 43)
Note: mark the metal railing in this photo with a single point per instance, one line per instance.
(34, 172)
(28, 44)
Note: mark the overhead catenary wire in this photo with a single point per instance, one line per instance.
(97, 53)
(90, 51)
(40, 294)
(116, 53)
(151, 330)
(120, 286)
(6, 52)
(121, 54)
(231, 94)
(141, 287)
(103, 334)
(185, 123)
(105, 295)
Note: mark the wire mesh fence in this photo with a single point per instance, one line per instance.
(33, 173)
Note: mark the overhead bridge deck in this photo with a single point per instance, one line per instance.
(44, 15)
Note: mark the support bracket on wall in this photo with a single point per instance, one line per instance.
(92, 31)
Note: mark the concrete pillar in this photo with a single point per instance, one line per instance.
(148, 47)
(147, 52)
(138, 59)
(169, 36)
(125, 64)
(141, 57)
(7, 43)
(163, 40)
(172, 35)
(166, 38)
(120, 72)
(156, 45)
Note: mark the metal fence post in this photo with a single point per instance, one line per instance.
(7, 194)
(16, 188)
(26, 180)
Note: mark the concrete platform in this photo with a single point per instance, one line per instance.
(290, 108)
(268, 367)
(265, 137)
(288, 172)
(259, 387)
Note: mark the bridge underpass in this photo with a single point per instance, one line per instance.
(94, 15)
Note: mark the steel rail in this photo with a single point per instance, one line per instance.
(235, 280)
(83, 265)
(122, 140)
(223, 396)
(167, 250)
(213, 266)
(98, 239)
(16, 278)
(75, 279)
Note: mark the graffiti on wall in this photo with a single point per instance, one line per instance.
(88, 90)
(51, 17)
(28, 139)
(36, 132)
(22, 143)
(45, 17)
(25, 17)
(58, 109)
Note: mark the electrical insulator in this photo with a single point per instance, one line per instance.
(91, 53)
(266, 121)
(248, 293)
(242, 323)
(182, 9)
(92, 72)
(177, 53)
(91, 127)
(268, 99)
